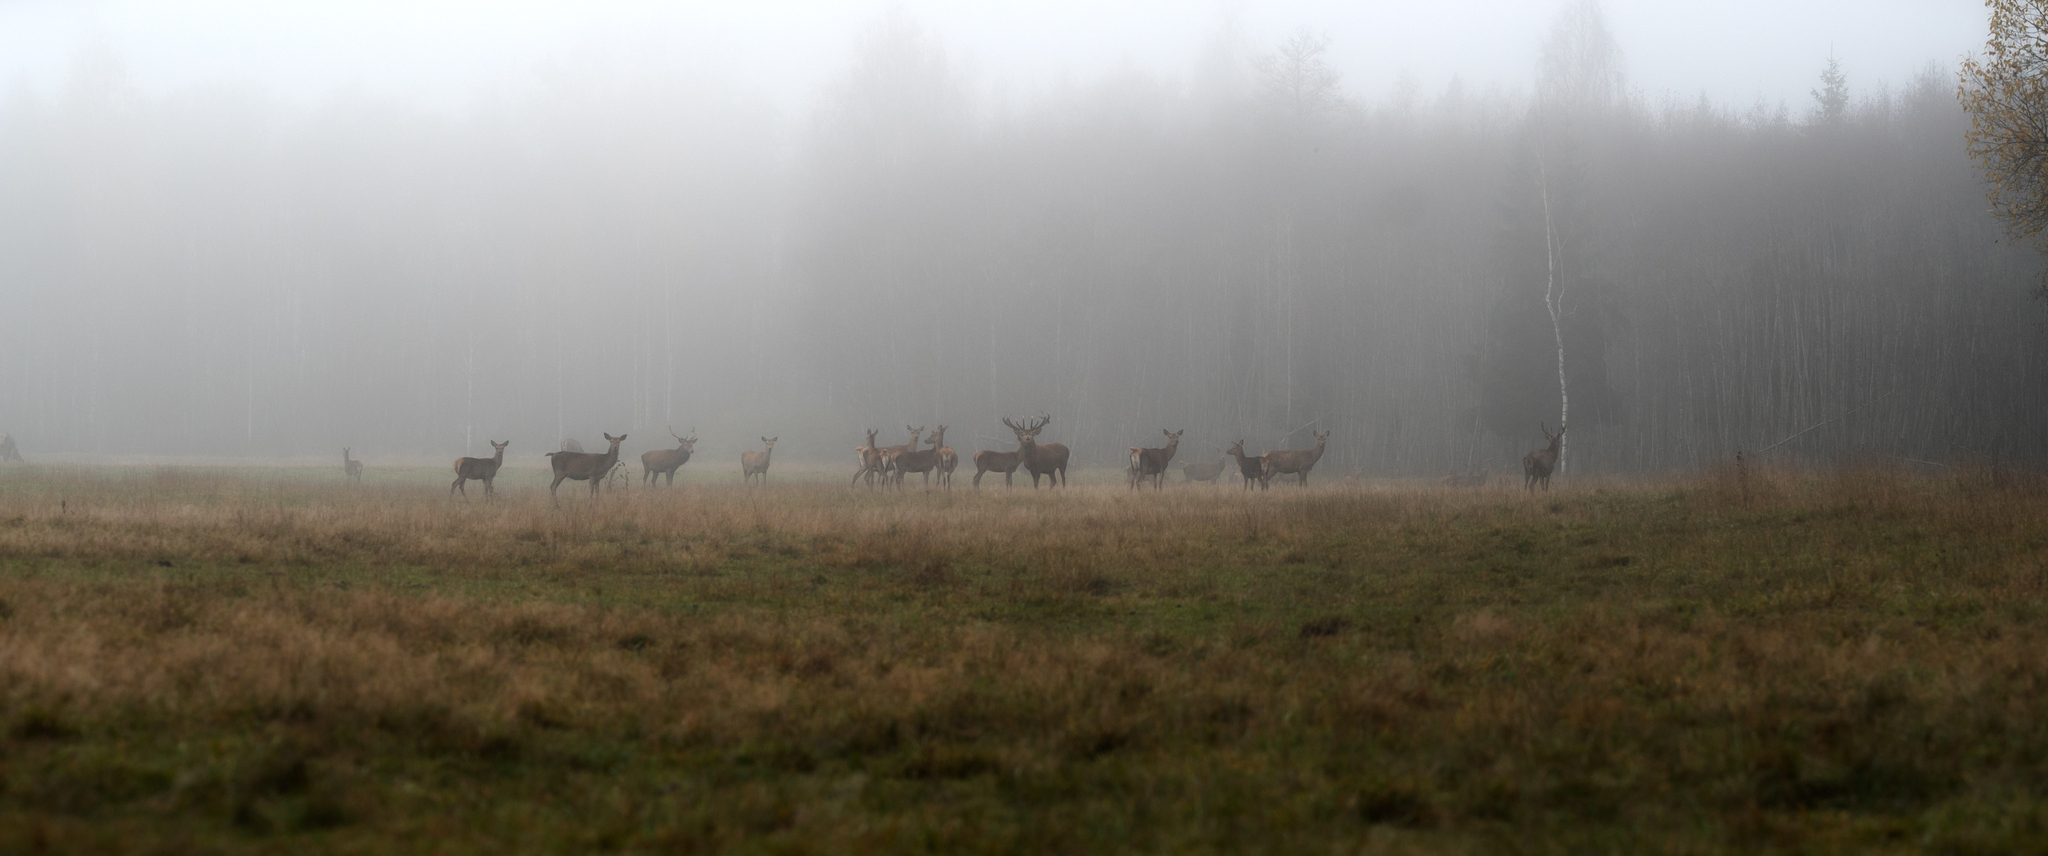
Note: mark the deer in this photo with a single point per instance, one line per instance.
(570, 445)
(1151, 463)
(920, 460)
(1207, 471)
(987, 461)
(351, 468)
(585, 466)
(871, 461)
(754, 463)
(1537, 465)
(485, 469)
(1253, 469)
(661, 462)
(8, 452)
(1049, 460)
(1469, 477)
(947, 462)
(1296, 461)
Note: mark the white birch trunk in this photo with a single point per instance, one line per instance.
(1553, 300)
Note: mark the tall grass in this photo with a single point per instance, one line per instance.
(1736, 662)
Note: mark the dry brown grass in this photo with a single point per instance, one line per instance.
(1740, 662)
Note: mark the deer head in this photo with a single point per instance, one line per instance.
(615, 441)
(1028, 434)
(684, 445)
(770, 441)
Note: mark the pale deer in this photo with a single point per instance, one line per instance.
(1208, 471)
(8, 452)
(1537, 465)
(871, 461)
(1252, 468)
(585, 466)
(350, 467)
(485, 469)
(666, 461)
(569, 445)
(1469, 477)
(1296, 461)
(922, 461)
(754, 463)
(947, 462)
(1151, 463)
(1049, 460)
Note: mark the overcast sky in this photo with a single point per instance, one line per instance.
(441, 54)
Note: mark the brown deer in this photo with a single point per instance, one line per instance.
(871, 461)
(754, 463)
(479, 468)
(921, 460)
(1203, 471)
(1253, 469)
(350, 467)
(585, 466)
(890, 453)
(948, 460)
(1151, 463)
(1537, 465)
(1049, 460)
(666, 461)
(1296, 461)
(1469, 477)
(986, 461)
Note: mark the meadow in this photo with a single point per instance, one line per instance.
(251, 660)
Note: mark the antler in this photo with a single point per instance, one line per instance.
(1043, 419)
(672, 433)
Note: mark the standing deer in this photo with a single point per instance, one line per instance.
(1049, 460)
(871, 461)
(1203, 472)
(920, 460)
(350, 467)
(478, 468)
(1537, 465)
(8, 452)
(585, 466)
(986, 461)
(947, 462)
(666, 461)
(1151, 463)
(1253, 469)
(1292, 461)
(754, 463)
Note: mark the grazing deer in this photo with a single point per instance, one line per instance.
(1296, 461)
(1203, 472)
(350, 467)
(571, 446)
(986, 461)
(1536, 466)
(754, 463)
(1049, 460)
(479, 468)
(8, 452)
(1469, 477)
(1151, 463)
(1253, 469)
(666, 461)
(920, 460)
(585, 466)
(871, 461)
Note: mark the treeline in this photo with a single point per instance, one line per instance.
(1252, 249)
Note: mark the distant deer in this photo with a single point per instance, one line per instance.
(1469, 477)
(1151, 463)
(1537, 465)
(350, 467)
(666, 461)
(1253, 469)
(754, 463)
(920, 460)
(1296, 461)
(871, 461)
(8, 452)
(478, 468)
(585, 466)
(1049, 460)
(947, 462)
(571, 446)
(986, 461)
(1203, 472)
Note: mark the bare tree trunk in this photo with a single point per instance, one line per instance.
(1553, 300)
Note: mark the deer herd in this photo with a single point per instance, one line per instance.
(935, 461)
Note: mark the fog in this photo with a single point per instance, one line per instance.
(823, 219)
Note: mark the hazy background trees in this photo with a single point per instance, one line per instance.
(1252, 249)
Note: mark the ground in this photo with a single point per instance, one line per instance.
(269, 660)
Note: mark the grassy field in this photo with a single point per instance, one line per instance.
(248, 660)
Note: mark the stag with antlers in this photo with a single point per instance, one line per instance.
(1296, 461)
(1151, 463)
(351, 468)
(585, 466)
(1537, 465)
(1049, 460)
(1252, 468)
(666, 461)
(484, 469)
(754, 463)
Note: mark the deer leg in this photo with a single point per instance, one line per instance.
(458, 483)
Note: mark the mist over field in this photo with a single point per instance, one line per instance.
(1246, 234)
